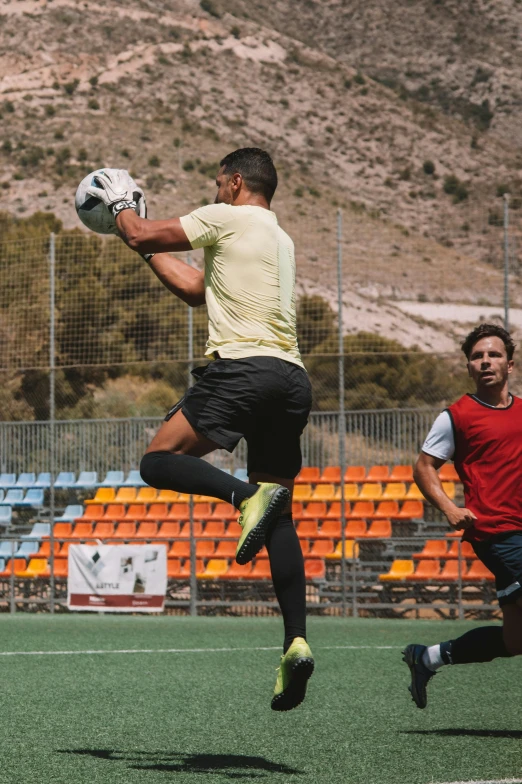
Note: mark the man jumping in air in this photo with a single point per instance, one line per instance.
(482, 434)
(255, 387)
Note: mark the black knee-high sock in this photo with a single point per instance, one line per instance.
(188, 474)
(478, 645)
(287, 565)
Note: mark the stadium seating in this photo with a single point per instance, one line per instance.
(223, 511)
(370, 491)
(466, 550)
(37, 567)
(44, 551)
(399, 570)
(433, 548)
(26, 549)
(169, 530)
(87, 479)
(125, 495)
(103, 530)
(402, 473)
(134, 479)
(62, 530)
(104, 495)
(449, 489)
(185, 530)
(478, 572)
(33, 497)
(330, 529)
(112, 479)
(226, 549)
(94, 512)
(386, 510)
(307, 529)
(169, 496)
(364, 509)
(25, 480)
(13, 497)
(147, 495)
(242, 474)
(38, 531)
(351, 551)
(214, 529)
(179, 512)
(355, 528)
(239, 572)
(7, 480)
(308, 475)
(6, 549)
(448, 473)
(147, 530)
(378, 473)
(70, 513)
(314, 510)
(356, 474)
(411, 510)
(380, 529)
(6, 514)
(261, 570)
(305, 546)
(65, 479)
(314, 569)
(413, 493)
(321, 547)
(394, 491)
(216, 567)
(426, 570)
(325, 493)
(449, 572)
(303, 492)
(82, 530)
(233, 530)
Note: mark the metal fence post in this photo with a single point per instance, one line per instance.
(193, 579)
(506, 261)
(342, 417)
(52, 412)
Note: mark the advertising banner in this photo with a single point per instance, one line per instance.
(117, 577)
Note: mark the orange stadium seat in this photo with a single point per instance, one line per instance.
(305, 546)
(146, 495)
(386, 510)
(411, 510)
(307, 529)
(157, 512)
(315, 510)
(330, 529)
(302, 492)
(44, 551)
(179, 512)
(261, 570)
(168, 530)
(226, 549)
(61, 568)
(449, 489)
(402, 473)
(147, 530)
(297, 509)
(315, 569)
(351, 551)
(355, 528)
(205, 548)
(215, 529)
(399, 570)
(466, 551)
(185, 530)
(216, 567)
(378, 473)
(233, 530)
(394, 491)
(331, 475)
(82, 531)
(125, 531)
(126, 495)
(114, 513)
(380, 529)
(426, 570)
(179, 549)
(321, 547)
(238, 572)
(370, 491)
(433, 548)
(223, 511)
(324, 493)
(449, 572)
(351, 492)
(478, 572)
(135, 512)
(104, 495)
(202, 511)
(363, 509)
(448, 473)
(355, 474)
(308, 475)
(62, 530)
(92, 513)
(173, 568)
(205, 499)
(37, 567)
(185, 569)
(335, 510)
(103, 530)
(64, 549)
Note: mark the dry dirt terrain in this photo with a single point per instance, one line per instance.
(366, 106)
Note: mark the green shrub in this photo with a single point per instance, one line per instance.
(7, 146)
(93, 104)
(428, 167)
(210, 8)
(50, 110)
(154, 161)
(189, 165)
(455, 188)
(359, 78)
(236, 32)
(299, 192)
(70, 87)
(93, 81)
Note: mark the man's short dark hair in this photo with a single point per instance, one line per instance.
(256, 167)
(488, 331)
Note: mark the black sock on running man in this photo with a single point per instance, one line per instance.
(288, 576)
(476, 646)
(188, 474)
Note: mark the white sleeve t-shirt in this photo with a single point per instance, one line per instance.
(440, 441)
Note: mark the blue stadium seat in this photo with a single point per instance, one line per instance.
(87, 479)
(6, 549)
(134, 479)
(13, 496)
(241, 473)
(27, 549)
(39, 530)
(7, 480)
(112, 479)
(2, 565)
(70, 513)
(6, 514)
(65, 479)
(33, 497)
(25, 480)
(1, 496)
(43, 479)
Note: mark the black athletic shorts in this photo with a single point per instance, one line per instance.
(502, 554)
(265, 400)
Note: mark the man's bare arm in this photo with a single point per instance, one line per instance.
(148, 236)
(428, 480)
(180, 278)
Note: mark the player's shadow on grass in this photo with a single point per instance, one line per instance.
(234, 766)
(461, 731)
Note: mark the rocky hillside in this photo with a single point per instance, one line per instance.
(412, 129)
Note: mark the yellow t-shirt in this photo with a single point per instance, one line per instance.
(249, 281)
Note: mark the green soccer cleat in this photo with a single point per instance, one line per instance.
(258, 513)
(297, 666)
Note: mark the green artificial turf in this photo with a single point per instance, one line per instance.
(205, 717)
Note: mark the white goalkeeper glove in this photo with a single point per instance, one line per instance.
(118, 191)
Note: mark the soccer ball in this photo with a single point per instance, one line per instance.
(94, 214)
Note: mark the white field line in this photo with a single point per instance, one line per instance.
(486, 781)
(195, 650)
